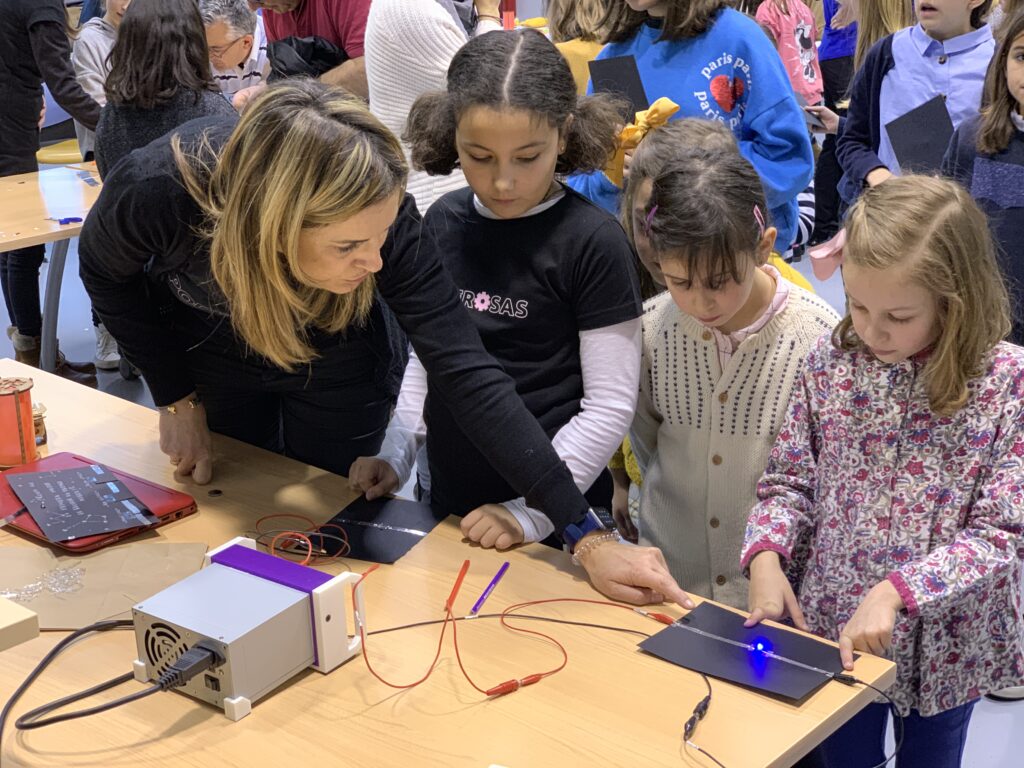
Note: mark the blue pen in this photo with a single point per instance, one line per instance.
(490, 588)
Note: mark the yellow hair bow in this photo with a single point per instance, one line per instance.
(646, 120)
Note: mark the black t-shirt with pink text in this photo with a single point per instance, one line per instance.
(531, 285)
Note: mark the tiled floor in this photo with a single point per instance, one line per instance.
(997, 730)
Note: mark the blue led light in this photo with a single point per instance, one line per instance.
(761, 645)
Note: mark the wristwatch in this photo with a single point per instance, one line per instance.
(573, 532)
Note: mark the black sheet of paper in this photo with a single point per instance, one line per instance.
(620, 76)
(751, 668)
(382, 530)
(920, 137)
(812, 120)
(68, 504)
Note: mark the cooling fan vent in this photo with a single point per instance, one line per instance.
(164, 646)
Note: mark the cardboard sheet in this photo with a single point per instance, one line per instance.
(69, 592)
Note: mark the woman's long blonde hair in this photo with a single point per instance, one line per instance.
(933, 226)
(303, 155)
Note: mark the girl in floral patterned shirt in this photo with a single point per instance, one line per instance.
(901, 464)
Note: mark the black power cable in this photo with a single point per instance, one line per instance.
(99, 626)
(195, 660)
(199, 658)
(897, 718)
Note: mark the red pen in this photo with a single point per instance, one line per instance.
(458, 584)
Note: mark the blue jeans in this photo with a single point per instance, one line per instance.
(19, 269)
(928, 742)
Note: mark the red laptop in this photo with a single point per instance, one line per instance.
(135, 499)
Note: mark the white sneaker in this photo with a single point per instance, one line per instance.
(107, 356)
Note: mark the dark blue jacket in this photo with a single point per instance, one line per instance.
(996, 182)
(861, 132)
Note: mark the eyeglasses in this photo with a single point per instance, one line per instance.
(220, 50)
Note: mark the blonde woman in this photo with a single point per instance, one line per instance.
(279, 237)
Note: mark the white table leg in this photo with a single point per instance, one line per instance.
(51, 305)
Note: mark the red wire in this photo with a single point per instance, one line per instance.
(533, 678)
(362, 637)
(465, 674)
(509, 686)
(343, 534)
(455, 590)
(297, 535)
(310, 530)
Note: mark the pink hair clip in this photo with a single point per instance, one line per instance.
(650, 219)
(759, 218)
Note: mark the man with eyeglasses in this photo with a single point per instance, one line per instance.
(341, 22)
(238, 48)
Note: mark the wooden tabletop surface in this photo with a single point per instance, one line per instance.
(30, 203)
(611, 706)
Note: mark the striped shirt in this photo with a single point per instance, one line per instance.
(250, 72)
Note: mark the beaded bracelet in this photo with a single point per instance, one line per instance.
(594, 542)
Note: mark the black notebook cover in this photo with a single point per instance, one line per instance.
(920, 137)
(745, 666)
(619, 75)
(71, 504)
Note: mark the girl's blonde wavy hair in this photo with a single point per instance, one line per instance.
(303, 155)
(933, 226)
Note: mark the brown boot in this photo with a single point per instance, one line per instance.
(89, 367)
(65, 371)
(27, 348)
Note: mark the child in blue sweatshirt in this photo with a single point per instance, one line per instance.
(716, 64)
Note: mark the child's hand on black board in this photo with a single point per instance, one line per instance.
(372, 476)
(871, 626)
(771, 595)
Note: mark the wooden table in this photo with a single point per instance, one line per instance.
(30, 204)
(611, 706)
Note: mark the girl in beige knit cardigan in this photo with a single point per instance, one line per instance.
(722, 350)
